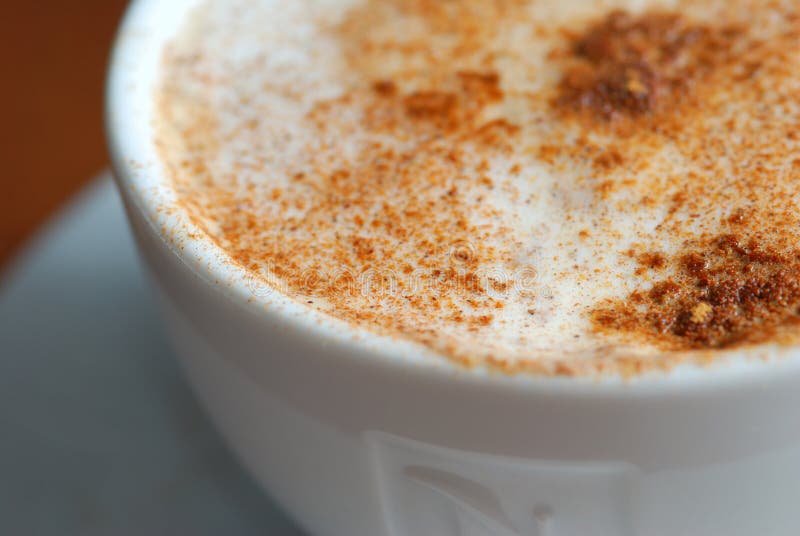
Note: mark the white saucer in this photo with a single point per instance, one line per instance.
(98, 433)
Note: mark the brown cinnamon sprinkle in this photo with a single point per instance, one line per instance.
(629, 65)
(727, 291)
(652, 260)
(684, 124)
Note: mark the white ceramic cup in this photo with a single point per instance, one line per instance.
(357, 435)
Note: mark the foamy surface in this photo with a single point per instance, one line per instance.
(503, 181)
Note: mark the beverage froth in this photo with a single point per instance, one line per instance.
(558, 187)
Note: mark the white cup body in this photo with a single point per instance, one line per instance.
(354, 443)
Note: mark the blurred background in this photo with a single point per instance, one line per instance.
(99, 435)
(54, 55)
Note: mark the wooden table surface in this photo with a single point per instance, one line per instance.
(54, 54)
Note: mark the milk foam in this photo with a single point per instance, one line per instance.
(274, 125)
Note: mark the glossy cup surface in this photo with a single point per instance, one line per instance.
(357, 435)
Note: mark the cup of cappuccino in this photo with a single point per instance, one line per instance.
(480, 267)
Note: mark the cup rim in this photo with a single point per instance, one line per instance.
(133, 73)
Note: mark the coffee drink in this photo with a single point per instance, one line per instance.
(561, 187)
